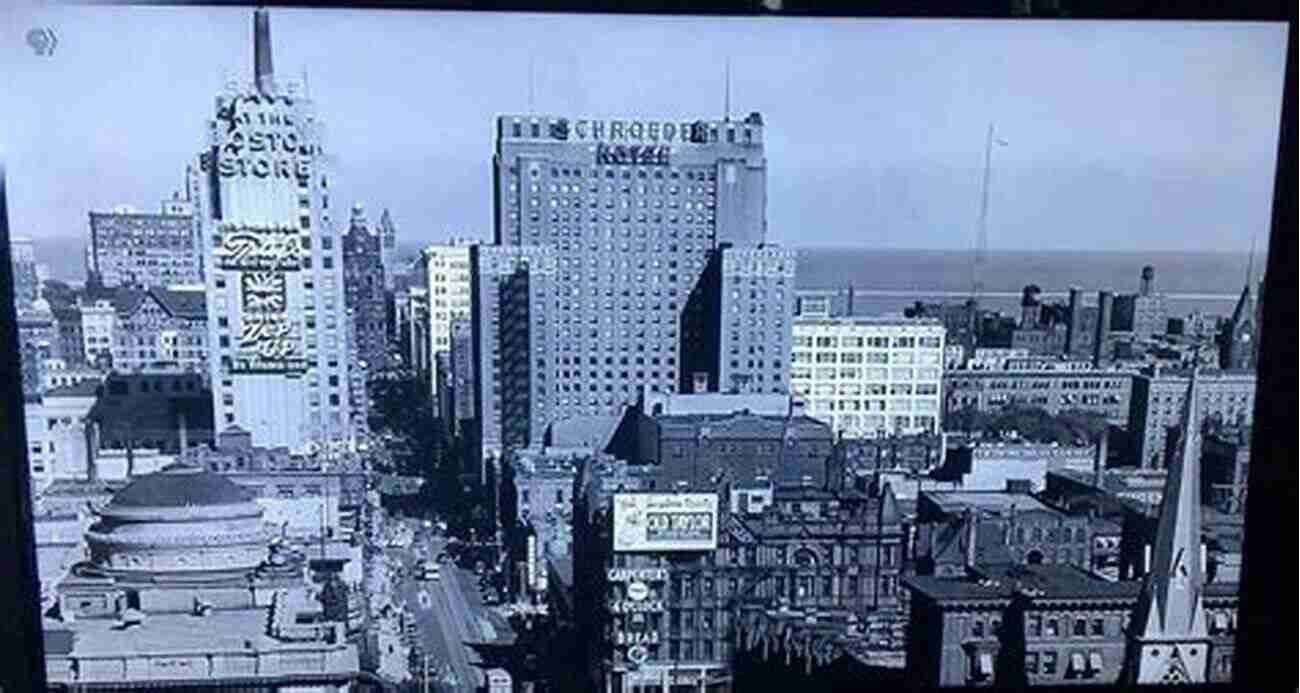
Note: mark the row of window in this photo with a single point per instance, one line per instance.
(868, 342)
(874, 357)
(877, 389)
(870, 374)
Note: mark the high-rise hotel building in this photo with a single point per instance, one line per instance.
(273, 264)
(633, 210)
(870, 377)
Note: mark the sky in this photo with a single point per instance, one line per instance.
(1123, 136)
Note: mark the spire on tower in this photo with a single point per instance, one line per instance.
(1170, 639)
(263, 72)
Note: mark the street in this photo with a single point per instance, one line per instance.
(444, 615)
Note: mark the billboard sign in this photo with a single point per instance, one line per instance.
(665, 521)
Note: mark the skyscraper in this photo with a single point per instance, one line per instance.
(363, 289)
(273, 266)
(446, 266)
(23, 258)
(513, 289)
(633, 210)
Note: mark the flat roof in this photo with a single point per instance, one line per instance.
(999, 582)
(884, 320)
(175, 633)
(1000, 502)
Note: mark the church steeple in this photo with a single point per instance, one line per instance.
(263, 72)
(1170, 640)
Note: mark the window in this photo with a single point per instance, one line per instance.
(1098, 626)
(1031, 663)
(1080, 627)
(1049, 663)
(1053, 628)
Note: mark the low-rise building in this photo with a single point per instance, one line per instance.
(958, 530)
(1105, 392)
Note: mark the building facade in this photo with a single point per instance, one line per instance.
(22, 256)
(159, 329)
(363, 289)
(755, 319)
(273, 265)
(514, 291)
(447, 268)
(1105, 392)
(657, 613)
(1157, 403)
(694, 448)
(870, 376)
(633, 210)
(1145, 313)
(141, 249)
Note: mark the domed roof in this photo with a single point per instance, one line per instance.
(180, 485)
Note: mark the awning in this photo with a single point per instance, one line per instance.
(1076, 662)
(1094, 661)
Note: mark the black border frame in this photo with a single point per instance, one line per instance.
(1262, 641)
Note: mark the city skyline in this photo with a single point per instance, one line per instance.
(1186, 162)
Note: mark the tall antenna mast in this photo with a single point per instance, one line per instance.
(982, 233)
(726, 99)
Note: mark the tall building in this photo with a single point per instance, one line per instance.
(746, 317)
(512, 292)
(23, 259)
(633, 210)
(870, 376)
(133, 248)
(1159, 396)
(363, 289)
(388, 247)
(461, 367)
(446, 267)
(1144, 313)
(273, 268)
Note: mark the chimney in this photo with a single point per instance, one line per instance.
(1105, 304)
(183, 431)
(971, 534)
(263, 74)
(1072, 327)
(1099, 461)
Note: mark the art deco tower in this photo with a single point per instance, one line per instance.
(273, 263)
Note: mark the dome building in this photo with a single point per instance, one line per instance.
(173, 541)
(179, 523)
